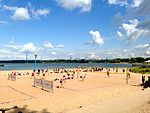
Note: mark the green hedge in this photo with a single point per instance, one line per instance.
(140, 70)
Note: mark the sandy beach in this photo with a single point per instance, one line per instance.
(96, 94)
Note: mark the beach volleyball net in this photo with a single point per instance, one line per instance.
(44, 84)
(11, 77)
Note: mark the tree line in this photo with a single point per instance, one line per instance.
(116, 60)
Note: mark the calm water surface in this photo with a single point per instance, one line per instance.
(30, 66)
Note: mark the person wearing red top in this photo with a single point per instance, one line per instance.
(32, 75)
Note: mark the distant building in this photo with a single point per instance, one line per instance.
(148, 61)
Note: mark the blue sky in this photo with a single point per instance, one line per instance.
(88, 29)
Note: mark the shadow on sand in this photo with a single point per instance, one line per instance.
(137, 85)
(24, 109)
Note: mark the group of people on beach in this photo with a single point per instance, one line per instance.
(64, 79)
(39, 72)
(70, 73)
(19, 73)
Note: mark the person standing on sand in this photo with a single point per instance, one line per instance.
(149, 81)
(116, 70)
(43, 74)
(32, 75)
(123, 70)
(143, 79)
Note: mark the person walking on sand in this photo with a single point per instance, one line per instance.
(127, 77)
(108, 75)
(61, 82)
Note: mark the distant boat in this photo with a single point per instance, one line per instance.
(1, 65)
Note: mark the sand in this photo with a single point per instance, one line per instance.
(96, 94)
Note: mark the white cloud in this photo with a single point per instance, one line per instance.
(14, 51)
(16, 47)
(53, 53)
(84, 5)
(28, 48)
(124, 53)
(142, 46)
(11, 8)
(60, 46)
(40, 12)
(12, 45)
(112, 1)
(117, 19)
(131, 30)
(144, 24)
(147, 52)
(125, 50)
(96, 37)
(136, 3)
(71, 54)
(48, 45)
(39, 49)
(120, 35)
(21, 14)
(118, 2)
(92, 55)
(139, 8)
(7, 54)
(12, 42)
(132, 55)
(4, 51)
(89, 43)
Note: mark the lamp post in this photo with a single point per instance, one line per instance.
(35, 63)
(34, 68)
